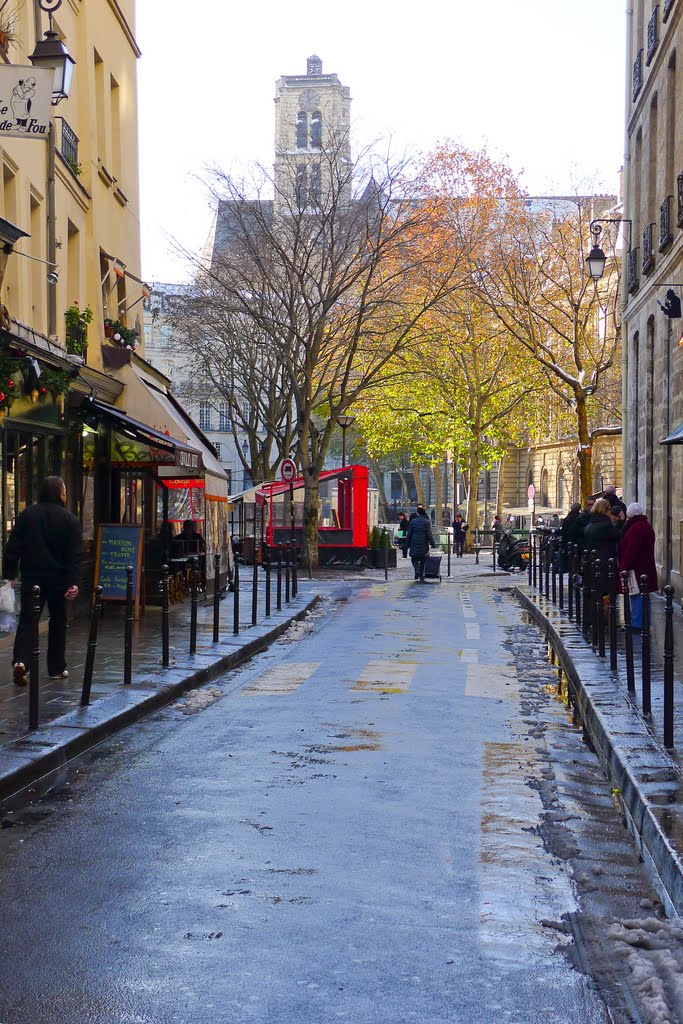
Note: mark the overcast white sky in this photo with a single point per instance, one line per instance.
(541, 81)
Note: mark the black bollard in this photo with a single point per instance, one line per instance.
(669, 667)
(194, 602)
(570, 581)
(385, 549)
(295, 573)
(553, 568)
(128, 637)
(560, 574)
(577, 598)
(286, 573)
(254, 591)
(645, 647)
(165, 620)
(92, 647)
(493, 550)
(278, 603)
(216, 597)
(612, 580)
(539, 559)
(236, 599)
(596, 631)
(448, 550)
(602, 618)
(546, 568)
(586, 592)
(34, 675)
(533, 559)
(268, 582)
(529, 566)
(628, 635)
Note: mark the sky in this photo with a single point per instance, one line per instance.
(540, 82)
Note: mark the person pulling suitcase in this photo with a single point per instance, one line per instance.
(420, 539)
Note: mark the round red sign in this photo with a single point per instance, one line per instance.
(288, 470)
(531, 491)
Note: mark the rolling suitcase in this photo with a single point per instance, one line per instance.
(433, 567)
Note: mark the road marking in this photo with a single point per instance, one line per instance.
(281, 679)
(489, 681)
(389, 675)
(472, 631)
(469, 654)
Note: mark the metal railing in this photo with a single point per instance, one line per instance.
(590, 600)
(648, 249)
(652, 34)
(665, 233)
(637, 75)
(69, 145)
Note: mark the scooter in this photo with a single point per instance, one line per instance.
(513, 553)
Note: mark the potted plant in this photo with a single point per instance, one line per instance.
(8, 24)
(121, 335)
(77, 321)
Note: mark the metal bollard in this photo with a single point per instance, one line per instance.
(286, 573)
(570, 581)
(645, 647)
(493, 549)
(586, 595)
(236, 599)
(612, 580)
(533, 558)
(268, 582)
(278, 604)
(448, 550)
(560, 575)
(628, 635)
(194, 602)
(577, 598)
(254, 591)
(165, 620)
(128, 638)
(92, 647)
(385, 548)
(546, 568)
(216, 597)
(553, 568)
(529, 567)
(34, 675)
(295, 574)
(669, 667)
(539, 559)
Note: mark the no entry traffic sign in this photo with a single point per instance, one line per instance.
(288, 470)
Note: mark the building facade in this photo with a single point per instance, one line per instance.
(653, 213)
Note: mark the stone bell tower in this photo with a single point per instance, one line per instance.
(312, 121)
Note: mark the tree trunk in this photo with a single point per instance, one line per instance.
(310, 525)
(501, 488)
(438, 495)
(585, 452)
(405, 490)
(418, 484)
(472, 512)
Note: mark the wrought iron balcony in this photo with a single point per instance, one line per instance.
(76, 340)
(637, 74)
(665, 234)
(652, 34)
(648, 249)
(679, 192)
(667, 8)
(633, 270)
(69, 146)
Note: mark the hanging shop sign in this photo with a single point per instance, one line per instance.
(25, 101)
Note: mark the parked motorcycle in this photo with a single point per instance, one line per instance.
(513, 553)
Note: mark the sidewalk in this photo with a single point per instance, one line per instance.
(645, 777)
(66, 729)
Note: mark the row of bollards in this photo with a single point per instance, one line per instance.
(285, 576)
(592, 590)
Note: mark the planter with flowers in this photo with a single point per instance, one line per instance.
(117, 332)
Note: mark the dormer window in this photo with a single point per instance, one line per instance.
(316, 130)
(302, 130)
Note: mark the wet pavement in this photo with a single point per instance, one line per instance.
(389, 816)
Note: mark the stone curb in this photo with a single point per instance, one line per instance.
(640, 771)
(26, 760)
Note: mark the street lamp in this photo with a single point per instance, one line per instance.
(344, 422)
(596, 258)
(51, 53)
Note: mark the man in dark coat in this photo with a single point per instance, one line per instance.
(460, 529)
(45, 547)
(616, 504)
(569, 533)
(420, 539)
(602, 537)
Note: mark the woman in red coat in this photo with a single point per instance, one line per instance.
(637, 552)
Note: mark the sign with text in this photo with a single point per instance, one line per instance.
(25, 101)
(118, 546)
(288, 470)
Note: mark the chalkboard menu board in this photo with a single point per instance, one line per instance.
(118, 546)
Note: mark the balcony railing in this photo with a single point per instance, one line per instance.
(69, 148)
(679, 194)
(76, 340)
(633, 270)
(648, 249)
(652, 34)
(665, 234)
(637, 74)
(667, 8)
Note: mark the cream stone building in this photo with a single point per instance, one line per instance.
(653, 212)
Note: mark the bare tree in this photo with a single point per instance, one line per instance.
(332, 276)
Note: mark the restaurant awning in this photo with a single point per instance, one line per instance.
(135, 443)
(676, 437)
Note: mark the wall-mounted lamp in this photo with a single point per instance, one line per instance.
(596, 258)
(52, 274)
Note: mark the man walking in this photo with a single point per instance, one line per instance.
(460, 529)
(420, 539)
(45, 547)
